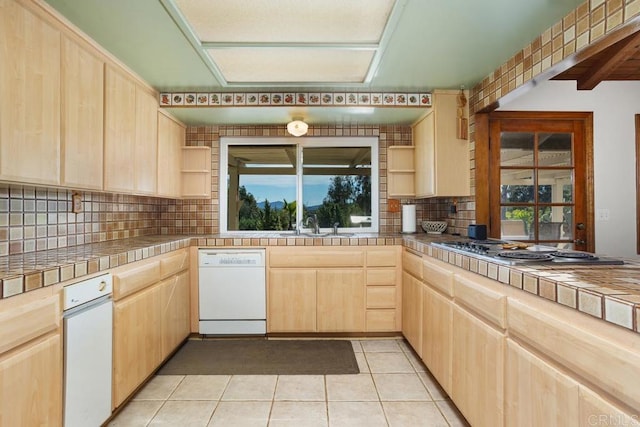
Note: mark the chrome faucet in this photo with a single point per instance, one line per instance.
(314, 223)
(335, 228)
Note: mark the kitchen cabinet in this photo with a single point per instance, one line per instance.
(146, 142)
(538, 393)
(331, 289)
(594, 409)
(31, 360)
(137, 341)
(437, 321)
(478, 349)
(291, 300)
(150, 318)
(401, 172)
(195, 174)
(130, 141)
(82, 116)
(341, 300)
(30, 102)
(171, 139)
(441, 159)
(412, 299)
(119, 132)
(477, 369)
(175, 312)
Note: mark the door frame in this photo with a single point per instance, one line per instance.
(483, 163)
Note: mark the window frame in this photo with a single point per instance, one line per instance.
(300, 143)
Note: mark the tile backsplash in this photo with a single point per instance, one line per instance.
(36, 219)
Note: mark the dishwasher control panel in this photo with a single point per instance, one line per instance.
(86, 290)
(231, 258)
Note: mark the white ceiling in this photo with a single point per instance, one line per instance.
(429, 44)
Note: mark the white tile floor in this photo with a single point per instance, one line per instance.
(392, 389)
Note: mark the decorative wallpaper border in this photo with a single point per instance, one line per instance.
(279, 99)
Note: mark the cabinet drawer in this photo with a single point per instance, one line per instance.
(381, 321)
(381, 257)
(412, 264)
(438, 277)
(301, 257)
(174, 263)
(24, 323)
(131, 280)
(381, 297)
(483, 301)
(381, 276)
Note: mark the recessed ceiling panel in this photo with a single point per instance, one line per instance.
(272, 21)
(292, 65)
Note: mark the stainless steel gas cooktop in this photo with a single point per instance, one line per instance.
(492, 250)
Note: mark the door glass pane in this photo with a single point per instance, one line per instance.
(516, 148)
(516, 186)
(554, 185)
(336, 186)
(554, 149)
(516, 223)
(261, 187)
(555, 223)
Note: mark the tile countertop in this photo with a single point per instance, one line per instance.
(609, 292)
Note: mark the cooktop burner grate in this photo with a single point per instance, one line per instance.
(573, 255)
(525, 256)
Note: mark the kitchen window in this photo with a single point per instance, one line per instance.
(276, 184)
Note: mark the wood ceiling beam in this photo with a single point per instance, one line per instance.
(608, 64)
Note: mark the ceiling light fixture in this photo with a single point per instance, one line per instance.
(297, 127)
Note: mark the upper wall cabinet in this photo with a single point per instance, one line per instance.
(82, 116)
(131, 135)
(171, 138)
(401, 171)
(120, 132)
(441, 159)
(30, 101)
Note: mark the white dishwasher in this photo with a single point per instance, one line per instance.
(88, 332)
(232, 291)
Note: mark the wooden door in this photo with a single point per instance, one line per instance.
(146, 142)
(30, 101)
(31, 384)
(341, 300)
(120, 132)
(82, 117)
(596, 410)
(412, 311)
(539, 179)
(171, 137)
(425, 156)
(136, 340)
(175, 311)
(437, 319)
(291, 300)
(477, 370)
(537, 394)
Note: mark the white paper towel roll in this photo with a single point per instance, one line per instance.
(408, 218)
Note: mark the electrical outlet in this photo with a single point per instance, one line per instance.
(602, 214)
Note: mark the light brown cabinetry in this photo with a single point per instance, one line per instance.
(30, 101)
(412, 299)
(538, 393)
(146, 148)
(292, 300)
(82, 116)
(31, 361)
(171, 139)
(437, 321)
(119, 132)
(401, 171)
(151, 318)
(332, 289)
(131, 141)
(441, 159)
(196, 173)
(341, 300)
